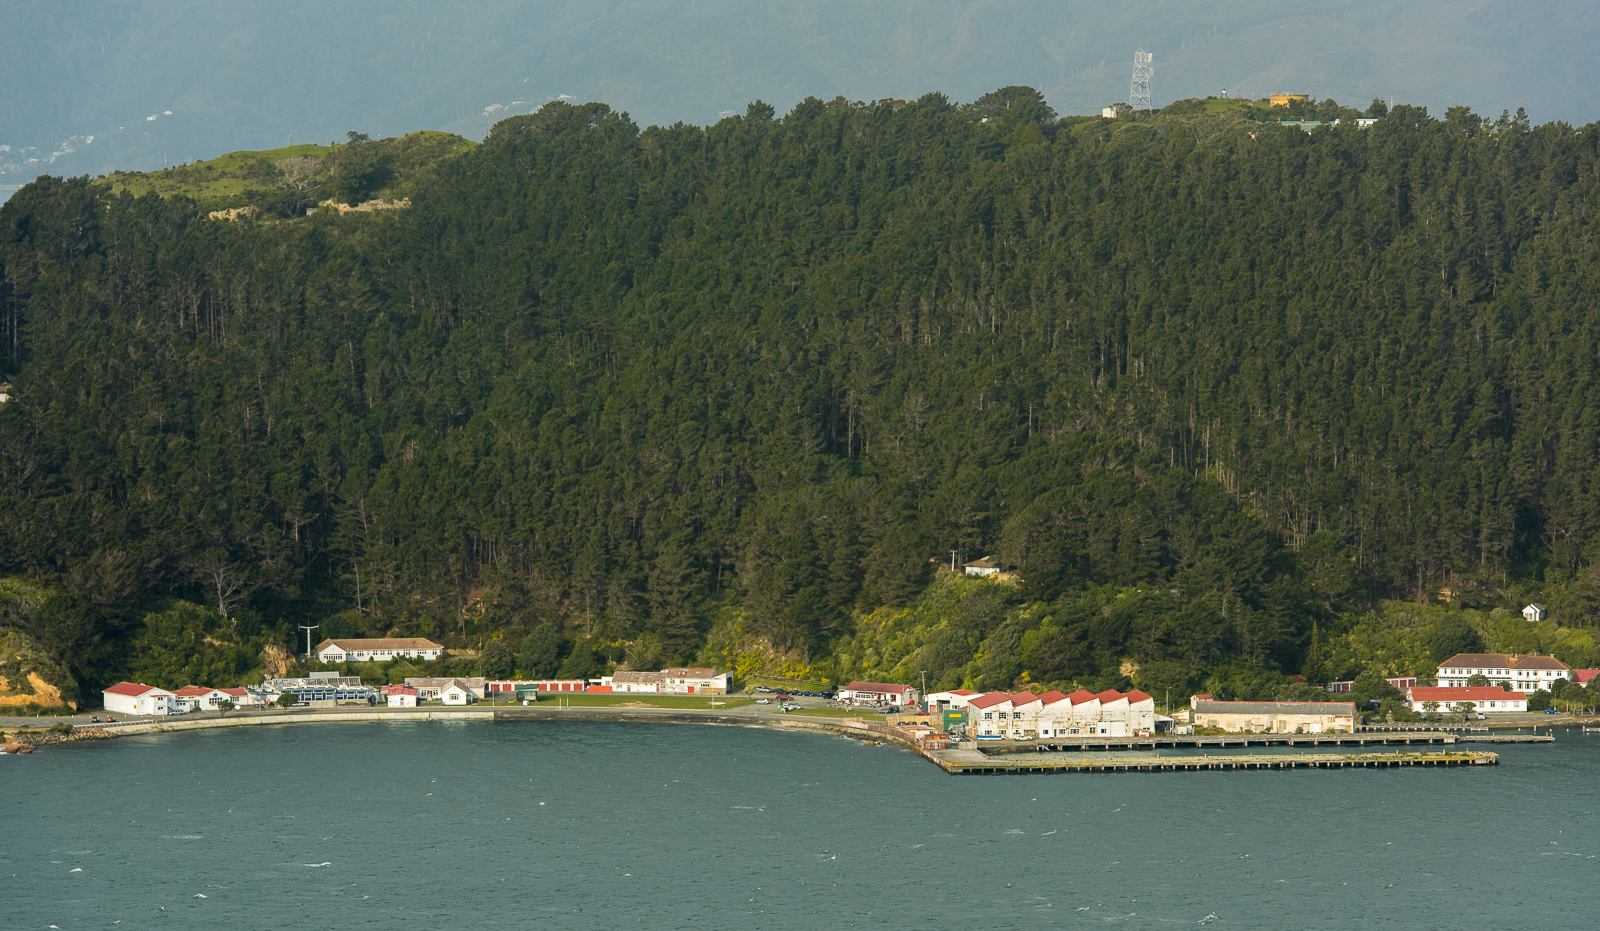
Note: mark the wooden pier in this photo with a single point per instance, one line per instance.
(973, 763)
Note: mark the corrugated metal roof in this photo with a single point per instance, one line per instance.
(1345, 708)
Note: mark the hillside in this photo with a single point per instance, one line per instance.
(1207, 383)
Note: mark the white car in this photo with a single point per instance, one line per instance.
(763, 701)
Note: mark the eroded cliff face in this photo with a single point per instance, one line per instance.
(27, 677)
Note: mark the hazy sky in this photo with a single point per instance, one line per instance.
(238, 75)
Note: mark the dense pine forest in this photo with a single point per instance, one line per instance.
(1231, 399)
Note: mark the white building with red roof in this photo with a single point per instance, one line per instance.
(1584, 676)
(137, 698)
(1053, 715)
(200, 698)
(1488, 699)
(1524, 672)
(400, 696)
(878, 693)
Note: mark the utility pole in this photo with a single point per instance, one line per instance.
(291, 132)
(952, 560)
(163, 157)
(308, 631)
(925, 688)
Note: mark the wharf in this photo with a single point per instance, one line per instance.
(1507, 738)
(973, 763)
(1171, 742)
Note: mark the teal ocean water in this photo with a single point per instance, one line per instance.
(571, 826)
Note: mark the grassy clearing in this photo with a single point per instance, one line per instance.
(1217, 106)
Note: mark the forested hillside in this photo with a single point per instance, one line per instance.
(1205, 382)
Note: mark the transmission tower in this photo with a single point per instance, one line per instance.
(1139, 96)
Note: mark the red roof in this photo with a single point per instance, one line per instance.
(1110, 695)
(1052, 696)
(887, 688)
(1582, 676)
(1081, 696)
(193, 690)
(989, 700)
(1023, 698)
(1136, 696)
(131, 688)
(1472, 693)
(962, 692)
(237, 693)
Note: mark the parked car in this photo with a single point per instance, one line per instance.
(792, 706)
(762, 688)
(763, 701)
(1551, 711)
(110, 719)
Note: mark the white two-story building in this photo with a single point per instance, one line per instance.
(1524, 672)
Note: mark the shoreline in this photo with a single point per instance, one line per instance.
(952, 761)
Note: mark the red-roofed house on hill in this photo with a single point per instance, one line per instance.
(1584, 676)
(878, 693)
(136, 698)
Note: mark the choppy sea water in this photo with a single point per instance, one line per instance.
(573, 826)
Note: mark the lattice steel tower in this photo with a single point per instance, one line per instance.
(1139, 96)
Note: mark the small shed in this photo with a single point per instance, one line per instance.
(1533, 613)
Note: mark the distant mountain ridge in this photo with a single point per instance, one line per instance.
(241, 77)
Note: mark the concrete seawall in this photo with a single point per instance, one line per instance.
(319, 717)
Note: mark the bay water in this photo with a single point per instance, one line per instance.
(611, 825)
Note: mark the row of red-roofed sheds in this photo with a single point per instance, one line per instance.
(1053, 714)
(138, 698)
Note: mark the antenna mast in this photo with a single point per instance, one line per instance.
(308, 631)
(1139, 96)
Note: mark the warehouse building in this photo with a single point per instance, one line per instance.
(1277, 717)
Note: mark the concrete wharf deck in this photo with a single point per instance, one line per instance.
(973, 763)
(1170, 742)
(1507, 739)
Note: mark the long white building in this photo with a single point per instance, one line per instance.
(1489, 699)
(378, 650)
